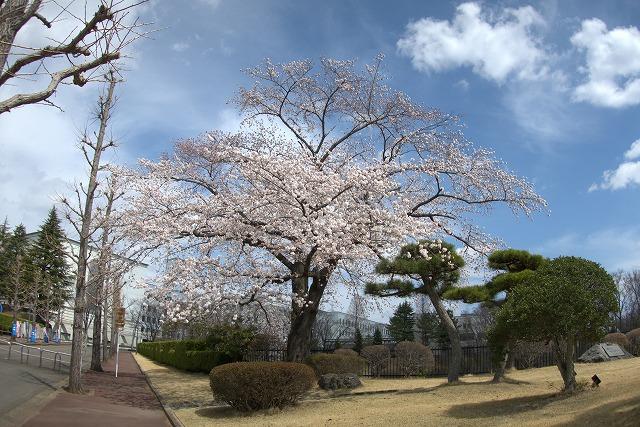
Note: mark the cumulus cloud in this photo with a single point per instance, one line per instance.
(612, 64)
(625, 175)
(496, 47)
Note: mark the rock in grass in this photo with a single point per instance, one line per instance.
(339, 381)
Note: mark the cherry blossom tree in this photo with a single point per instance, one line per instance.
(331, 170)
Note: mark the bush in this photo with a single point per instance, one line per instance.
(414, 358)
(233, 341)
(618, 338)
(634, 341)
(528, 353)
(346, 352)
(325, 363)
(250, 386)
(266, 342)
(377, 356)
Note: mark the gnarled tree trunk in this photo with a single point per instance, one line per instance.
(564, 350)
(454, 337)
(501, 366)
(303, 317)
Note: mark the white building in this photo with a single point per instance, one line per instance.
(131, 296)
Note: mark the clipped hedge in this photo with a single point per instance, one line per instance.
(250, 386)
(188, 355)
(325, 363)
(6, 321)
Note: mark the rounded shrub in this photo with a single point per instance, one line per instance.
(337, 363)
(346, 352)
(250, 386)
(618, 338)
(414, 358)
(377, 356)
(634, 341)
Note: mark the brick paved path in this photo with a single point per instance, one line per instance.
(123, 401)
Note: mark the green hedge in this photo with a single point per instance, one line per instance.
(187, 355)
(6, 320)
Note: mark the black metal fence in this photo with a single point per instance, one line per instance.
(475, 360)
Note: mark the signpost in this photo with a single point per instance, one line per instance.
(119, 326)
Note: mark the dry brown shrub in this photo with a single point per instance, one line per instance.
(250, 386)
(414, 358)
(634, 341)
(618, 338)
(326, 363)
(378, 356)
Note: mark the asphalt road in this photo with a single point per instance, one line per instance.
(20, 382)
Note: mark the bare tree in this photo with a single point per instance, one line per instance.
(80, 215)
(631, 292)
(95, 40)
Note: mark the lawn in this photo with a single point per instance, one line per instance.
(529, 398)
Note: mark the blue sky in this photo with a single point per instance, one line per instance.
(552, 87)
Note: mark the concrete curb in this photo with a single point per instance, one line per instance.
(175, 421)
(27, 410)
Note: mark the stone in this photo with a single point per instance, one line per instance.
(339, 381)
(603, 352)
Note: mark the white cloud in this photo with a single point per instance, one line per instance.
(634, 151)
(612, 64)
(213, 4)
(180, 46)
(462, 84)
(496, 47)
(625, 175)
(614, 248)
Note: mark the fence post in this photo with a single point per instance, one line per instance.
(41, 357)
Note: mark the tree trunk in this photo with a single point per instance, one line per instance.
(105, 317)
(564, 350)
(454, 337)
(96, 364)
(501, 366)
(79, 311)
(303, 318)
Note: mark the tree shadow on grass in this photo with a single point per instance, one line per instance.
(505, 407)
(614, 414)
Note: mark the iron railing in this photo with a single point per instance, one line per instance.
(27, 353)
(475, 360)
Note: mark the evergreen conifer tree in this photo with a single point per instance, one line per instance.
(402, 322)
(358, 341)
(48, 257)
(14, 284)
(377, 337)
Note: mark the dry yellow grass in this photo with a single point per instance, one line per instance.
(530, 398)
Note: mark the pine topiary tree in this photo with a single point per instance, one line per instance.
(377, 337)
(513, 267)
(358, 341)
(402, 322)
(427, 268)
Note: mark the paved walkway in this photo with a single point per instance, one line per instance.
(123, 401)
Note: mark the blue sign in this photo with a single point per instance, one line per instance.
(14, 329)
(1, 308)
(33, 335)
